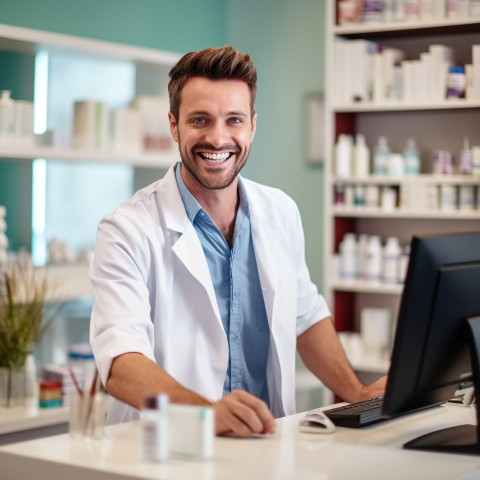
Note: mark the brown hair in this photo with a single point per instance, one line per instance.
(222, 63)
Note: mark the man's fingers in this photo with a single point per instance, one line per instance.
(261, 410)
(243, 414)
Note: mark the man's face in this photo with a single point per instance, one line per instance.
(214, 131)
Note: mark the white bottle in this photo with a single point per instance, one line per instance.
(403, 264)
(343, 156)
(476, 163)
(396, 165)
(30, 376)
(399, 11)
(7, 118)
(348, 257)
(362, 256)
(380, 157)
(391, 259)
(411, 157)
(373, 264)
(361, 157)
(3, 239)
(466, 159)
(154, 428)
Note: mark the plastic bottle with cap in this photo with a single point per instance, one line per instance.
(411, 158)
(343, 156)
(403, 263)
(7, 118)
(391, 258)
(154, 428)
(30, 376)
(373, 264)
(466, 159)
(348, 256)
(362, 255)
(3, 239)
(396, 165)
(380, 156)
(361, 157)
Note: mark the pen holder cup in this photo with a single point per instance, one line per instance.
(87, 416)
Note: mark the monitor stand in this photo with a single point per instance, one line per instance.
(463, 439)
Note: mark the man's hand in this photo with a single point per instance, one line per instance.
(243, 414)
(376, 389)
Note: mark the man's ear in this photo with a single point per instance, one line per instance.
(173, 126)
(254, 125)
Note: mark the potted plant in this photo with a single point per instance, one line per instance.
(24, 318)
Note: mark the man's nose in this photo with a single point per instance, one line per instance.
(217, 134)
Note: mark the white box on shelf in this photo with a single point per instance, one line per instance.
(90, 125)
(375, 327)
(476, 71)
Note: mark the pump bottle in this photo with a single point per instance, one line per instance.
(380, 157)
(411, 158)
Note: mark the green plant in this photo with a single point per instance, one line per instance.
(24, 314)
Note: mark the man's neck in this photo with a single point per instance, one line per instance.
(221, 206)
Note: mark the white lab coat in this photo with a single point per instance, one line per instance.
(153, 293)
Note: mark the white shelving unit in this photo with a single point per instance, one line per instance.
(151, 67)
(150, 77)
(438, 125)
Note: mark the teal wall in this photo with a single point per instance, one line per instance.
(175, 25)
(285, 39)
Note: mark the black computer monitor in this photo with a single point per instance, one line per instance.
(437, 338)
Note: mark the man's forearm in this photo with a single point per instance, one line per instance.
(133, 375)
(322, 353)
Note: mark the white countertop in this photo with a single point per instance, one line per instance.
(368, 453)
(15, 419)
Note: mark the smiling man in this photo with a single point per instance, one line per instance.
(200, 284)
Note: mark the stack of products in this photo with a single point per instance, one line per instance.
(63, 375)
(50, 394)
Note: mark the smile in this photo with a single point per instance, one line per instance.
(215, 157)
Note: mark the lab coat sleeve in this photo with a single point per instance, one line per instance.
(311, 306)
(120, 321)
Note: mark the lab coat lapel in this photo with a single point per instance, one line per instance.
(263, 234)
(187, 246)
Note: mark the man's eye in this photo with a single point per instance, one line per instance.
(235, 120)
(198, 121)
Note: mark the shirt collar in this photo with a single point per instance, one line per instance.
(192, 206)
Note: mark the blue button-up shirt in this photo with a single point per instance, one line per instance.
(239, 294)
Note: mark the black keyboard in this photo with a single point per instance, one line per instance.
(358, 414)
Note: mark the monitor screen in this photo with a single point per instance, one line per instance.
(431, 356)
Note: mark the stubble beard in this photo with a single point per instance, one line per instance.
(189, 164)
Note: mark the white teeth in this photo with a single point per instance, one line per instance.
(217, 157)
